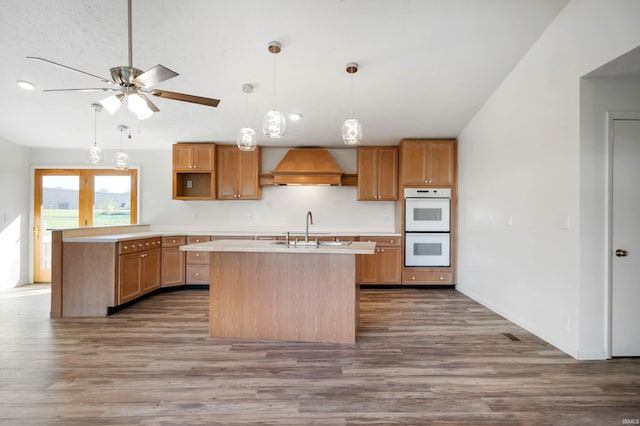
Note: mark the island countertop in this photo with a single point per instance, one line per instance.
(265, 246)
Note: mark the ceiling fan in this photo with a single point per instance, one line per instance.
(134, 85)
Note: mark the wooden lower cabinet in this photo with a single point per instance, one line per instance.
(382, 267)
(173, 261)
(442, 276)
(139, 265)
(197, 271)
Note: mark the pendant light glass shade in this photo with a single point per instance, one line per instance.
(247, 138)
(95, 155)
(351, 132)
(274, 124)
(351, 128)
(121, 159)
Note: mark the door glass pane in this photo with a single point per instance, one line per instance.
(427, 249)
(112, 200)
(427, 214)
(60, 200)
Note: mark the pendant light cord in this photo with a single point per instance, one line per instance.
(274, 80)
(95, 125)
(247, 111)
(351, 94)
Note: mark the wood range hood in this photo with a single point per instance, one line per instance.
(307, 166)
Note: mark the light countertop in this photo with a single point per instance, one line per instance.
(265, 246)
(127, 236)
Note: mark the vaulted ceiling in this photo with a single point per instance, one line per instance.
(426, 66)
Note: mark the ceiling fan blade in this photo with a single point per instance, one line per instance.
(86, 89)
(104, 80)
(186, 98)
(155, 75)
(150, 104)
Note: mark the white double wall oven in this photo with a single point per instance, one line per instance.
(427, 227)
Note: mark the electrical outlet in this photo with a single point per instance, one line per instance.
(189, 184)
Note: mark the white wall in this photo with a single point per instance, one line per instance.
(597, 97)
(281, 208)
(520, 177)
(14, 215)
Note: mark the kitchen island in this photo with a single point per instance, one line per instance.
(279, 291)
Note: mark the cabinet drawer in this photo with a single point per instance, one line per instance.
(173, 241)
(152, 243)
(383, 241)
(427, 277)
(131, 246)
(198, 257)
(197, 274)
(195, 239)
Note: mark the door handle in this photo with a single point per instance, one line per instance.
(621, 253)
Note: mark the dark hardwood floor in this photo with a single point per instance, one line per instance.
(422, 357)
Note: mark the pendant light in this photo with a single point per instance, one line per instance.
(274, 124)
(95, 155)
(351, 128)
(122, 158)
(247, 136)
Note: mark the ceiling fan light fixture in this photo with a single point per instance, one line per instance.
(274, 124)
(26, 85)
(112, 103)
(351, 128)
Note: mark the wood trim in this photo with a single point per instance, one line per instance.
(347, 179)
(56, 274)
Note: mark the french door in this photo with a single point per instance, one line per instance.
(71, 198)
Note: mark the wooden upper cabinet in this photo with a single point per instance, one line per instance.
(194, 166)
(238, 173)
(377, 173)
(427, 162)
(194, 156)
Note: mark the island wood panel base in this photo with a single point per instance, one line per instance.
(297, 297)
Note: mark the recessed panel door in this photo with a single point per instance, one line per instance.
(625, 302)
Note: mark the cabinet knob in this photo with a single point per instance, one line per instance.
(190, 166)
(413, 278)
(195, 166)
(382, 250)
(125, 247)
(139, 244)
(173, 241)
(198, 240)
(390, 241)
(197, 254)
(197, 274)
(441, 278)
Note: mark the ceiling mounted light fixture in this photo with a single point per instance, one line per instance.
(95, 155)
(122, 159)
(26, 85)
(274, 123)
(247, 139)
(351, 128)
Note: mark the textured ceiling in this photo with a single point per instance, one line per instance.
(426, 66)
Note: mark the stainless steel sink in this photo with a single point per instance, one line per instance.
(312, 243)
(334, 243)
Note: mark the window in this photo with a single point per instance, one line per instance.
(69, 198)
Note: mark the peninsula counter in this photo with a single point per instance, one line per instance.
(267, 290)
